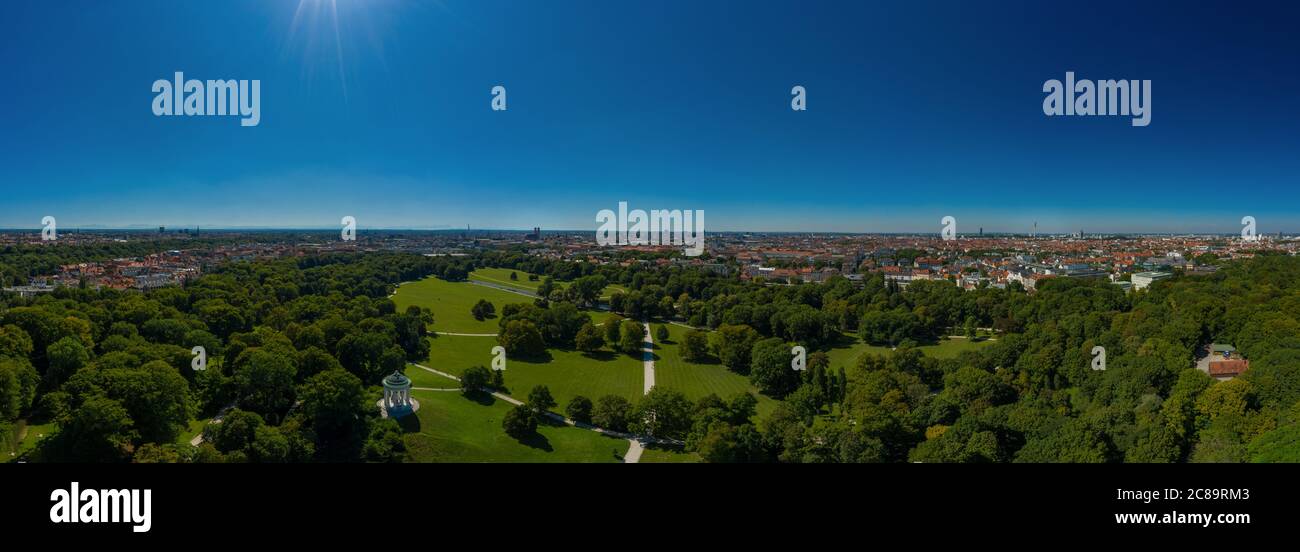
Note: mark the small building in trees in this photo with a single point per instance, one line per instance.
(1222, 350)
(1223, 370)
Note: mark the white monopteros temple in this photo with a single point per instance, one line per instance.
(397, 401)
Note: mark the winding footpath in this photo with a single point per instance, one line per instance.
(636, 443)
(634, 451)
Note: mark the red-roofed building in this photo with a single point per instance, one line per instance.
(1228, 369)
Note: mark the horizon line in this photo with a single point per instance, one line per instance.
(1041, 233)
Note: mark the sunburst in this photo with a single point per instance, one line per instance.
(334, 33)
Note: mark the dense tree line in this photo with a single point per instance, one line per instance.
(1031, 396)
(296, 346)
(295, 350)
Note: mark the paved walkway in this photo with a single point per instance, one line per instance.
(399, 284)
(648, 362)
(221, 414)
(501, 396)
(648, 358)
(527, 293)
(635, 442)
(1203, 358)
(515, 284)
(510, 289)
(633, 452)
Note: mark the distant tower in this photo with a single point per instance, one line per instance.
(162, 229)
(981, 231)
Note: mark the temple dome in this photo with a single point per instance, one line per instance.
(397, 380)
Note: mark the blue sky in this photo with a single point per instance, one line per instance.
(916, 110)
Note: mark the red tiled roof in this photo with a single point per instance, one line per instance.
(1228, 367)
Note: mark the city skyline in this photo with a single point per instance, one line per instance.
(382, 112)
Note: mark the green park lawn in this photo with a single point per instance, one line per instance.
(191, 430)
(451, 303)
(655, 454)
(450, 427)
(847, 356)
(32, 434)
(697, 380)
(24, 438)
(570, 373)
(566, 373)
(501, 276)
